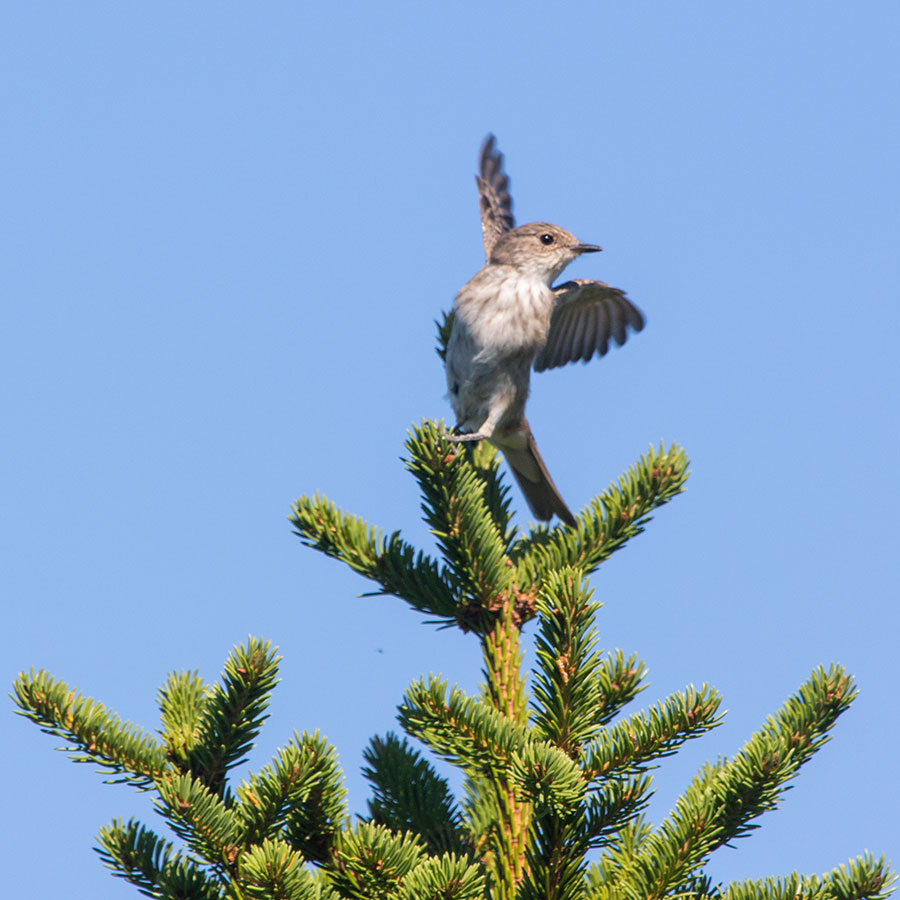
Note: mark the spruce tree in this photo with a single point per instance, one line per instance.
(556, 777)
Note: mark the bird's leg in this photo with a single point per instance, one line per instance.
(483, 434)
(459, 438)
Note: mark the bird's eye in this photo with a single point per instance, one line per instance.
(547, 239)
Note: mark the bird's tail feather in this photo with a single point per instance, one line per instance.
(543, 498)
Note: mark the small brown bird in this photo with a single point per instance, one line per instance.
(508, 318)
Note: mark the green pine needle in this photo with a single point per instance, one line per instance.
(410, 796)
(96, 735)
(617, 515)
(151, 864)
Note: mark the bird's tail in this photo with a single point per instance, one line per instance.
(543, 498)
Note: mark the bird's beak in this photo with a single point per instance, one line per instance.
(586, 248)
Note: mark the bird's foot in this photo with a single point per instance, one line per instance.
(459, 438)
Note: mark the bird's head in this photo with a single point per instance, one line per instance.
(539, 249)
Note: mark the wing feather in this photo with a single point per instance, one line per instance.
(559, 340)
(493, 195)
(602, 342)
(616, 321)
(587, 315)
(569, 337)
(587, 336)
(582, 333)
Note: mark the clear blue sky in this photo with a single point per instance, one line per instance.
(227, 231)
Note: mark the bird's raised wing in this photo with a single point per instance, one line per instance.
(587, 315)
(493, 196)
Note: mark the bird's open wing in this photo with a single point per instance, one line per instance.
(587, 315)
(493, 196)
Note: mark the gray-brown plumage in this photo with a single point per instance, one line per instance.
(508, 318)
(493, 196)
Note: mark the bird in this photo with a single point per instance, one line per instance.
(509, 318)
